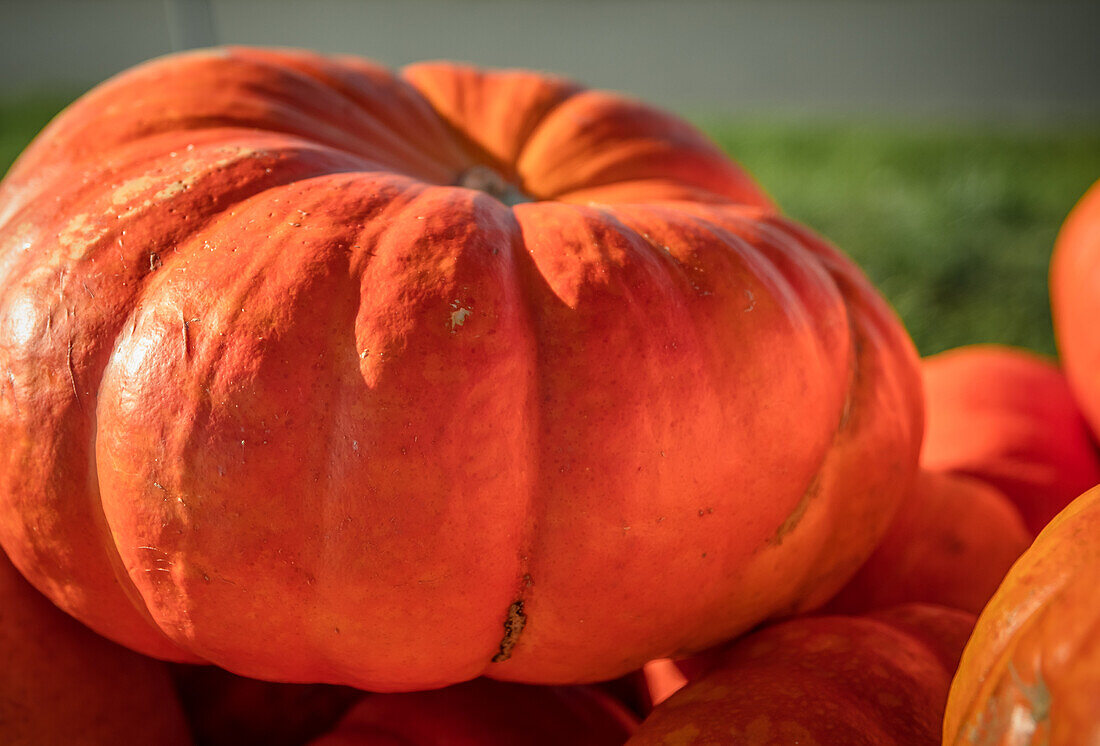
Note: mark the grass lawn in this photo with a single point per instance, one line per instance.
(954, 223)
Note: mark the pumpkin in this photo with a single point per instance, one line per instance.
(1007, 416)
(1030, 673)
(1074, 301)
(949, 522)
(62, 684)
(323, 373)
(879, 680)
(484, 712)
(227, 710)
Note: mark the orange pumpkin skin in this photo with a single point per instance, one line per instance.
(1031, 671)
(61, 684)
(879, 680)
(281, 397)
(1074, 301)
(484, 712)
(949, 522)
(1007, 416)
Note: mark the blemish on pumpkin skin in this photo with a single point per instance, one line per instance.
(513, 627)
(459, 314)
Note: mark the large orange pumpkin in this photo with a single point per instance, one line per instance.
(878, 680)
(1030, 673)
(61, 684)
(1007, 416)
(323, 373)
(1075, 301)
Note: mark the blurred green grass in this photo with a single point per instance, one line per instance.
(954, 223)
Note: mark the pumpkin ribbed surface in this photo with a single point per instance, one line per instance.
(283, 393)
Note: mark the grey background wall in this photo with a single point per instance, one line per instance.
(986, 58)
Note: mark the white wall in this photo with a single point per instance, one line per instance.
(984, 57)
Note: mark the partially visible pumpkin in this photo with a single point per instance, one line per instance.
(1007, 416)
(223, 709)
(1075, 301)
(1031, 671)
(951, 543)
(61, 684)
(486, 713)
(324, 373)
(879, 680)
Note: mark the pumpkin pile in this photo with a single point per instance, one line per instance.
(453, 405)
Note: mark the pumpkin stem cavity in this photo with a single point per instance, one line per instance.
(488, 180)
(513, 626)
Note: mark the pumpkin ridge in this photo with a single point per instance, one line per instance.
(152, 281)
(813, 486)
(528, 279)
(984, 707)
(136, 168)
(332, 86)
(424, 78)
(544, 117)
(598, 139)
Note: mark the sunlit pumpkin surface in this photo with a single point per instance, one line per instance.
(1007, 416)
(1030, 673)
(1074, 273)
(319, 372)
(874, 680)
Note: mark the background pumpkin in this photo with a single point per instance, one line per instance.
(485, 713)
(61, 684)
(349, 421)
(879, 680)
(1030, 673)
(227, 710)
(1074, 279)
(1007, 416)
(949, 522)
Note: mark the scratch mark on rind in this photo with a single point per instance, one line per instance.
(513, 626)
(72, 376)
(186, 338)
(14, 398)
(792, 520)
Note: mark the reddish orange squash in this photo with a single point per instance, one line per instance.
(1075, 302)
(1007, 417)
(486, 713)
(951, 543)
(1031, 671)
(324, 373)
(879, 680)
(61, 684)
(227, 710)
